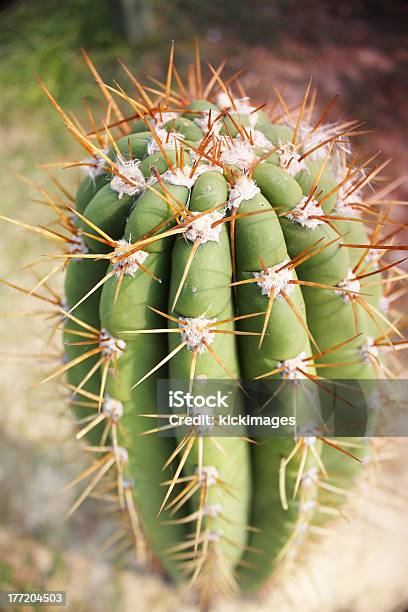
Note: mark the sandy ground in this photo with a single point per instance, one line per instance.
(363, 565)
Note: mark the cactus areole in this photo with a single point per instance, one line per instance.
(214, 239)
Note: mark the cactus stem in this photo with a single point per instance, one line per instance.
(321, 185)
(307, 360)
(201, 341)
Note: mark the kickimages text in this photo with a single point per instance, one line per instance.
(229, 420)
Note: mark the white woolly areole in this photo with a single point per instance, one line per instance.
(290, 366)
(121, 454)
(112, 408)
(131, 264)
(275, 280)
(215, 536)
(135, 180)
(260, 140)
(368, 351)
(212, 510)
(344, 204)
(94, 166)
(77, 244)
(242, 106)
(311, 138)
(289, 158)
(310, 478)
(196, 331)
(166, 138)
(223, 101)
(183, 177)
(351, 283)
(344, 208)
(244, 189)
(208, 117)
(302, 214)
(207, 474)
(111, 347)
(239, 154)
(309, 440)
(202, 229)
(163, 118)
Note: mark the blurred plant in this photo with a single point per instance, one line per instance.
(136, 18)
(45, 37)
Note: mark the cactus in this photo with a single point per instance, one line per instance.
(212, 239)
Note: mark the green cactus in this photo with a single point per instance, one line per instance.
(209, 241)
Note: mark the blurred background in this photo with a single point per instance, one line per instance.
(355, 48)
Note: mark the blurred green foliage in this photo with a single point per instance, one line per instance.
(45, 37)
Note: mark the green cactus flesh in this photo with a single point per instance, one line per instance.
(208, 243)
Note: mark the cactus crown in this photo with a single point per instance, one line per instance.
(215, 239)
